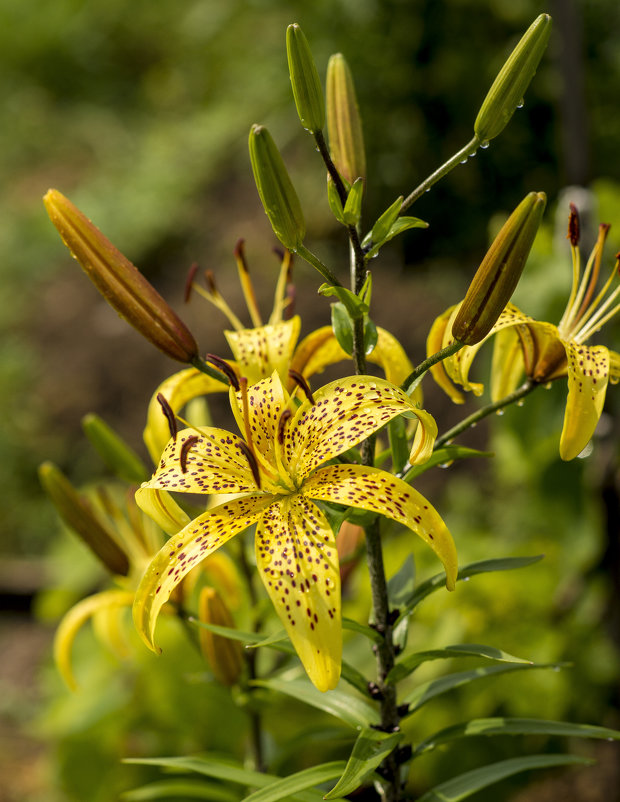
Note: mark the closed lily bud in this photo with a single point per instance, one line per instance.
(113, 450)
(77, 513)
(119, 281)
(276, 189)
(344, 124)
(499, 272)
(307, 89)
(222, 654)
(506, 92)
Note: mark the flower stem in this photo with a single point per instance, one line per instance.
(409, 384)
(466, 423)
(463, 154)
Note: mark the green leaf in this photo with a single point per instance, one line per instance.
(514, 726)
(408, 664)
(371, 748)
(350, 709)
(445, 456)
(354, 305)
(222, 769)
(114, 451)
(384, 223)
(333, 199)
(423, 693)
(342, 327)
(300, 781)
(366, 292)
(353, 206)
(482, 567)
(179, 789)
(465, 785)
(362, 629)
(397, 227)
(371, 336)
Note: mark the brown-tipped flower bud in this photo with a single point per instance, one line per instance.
(119, 281)
(276, 189)
(344, 124)
(307, 89)
(507, 90)
(222, 654)
(77, 513)
(499, 272)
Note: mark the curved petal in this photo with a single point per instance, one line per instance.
(297, 557)
(162, 508)
(185, 550)
(204, 460)
(110, 628)
(177, 389)
(320, 349)
(375, 490)
(614, 367)
(434, 343)
(258, 352)
(508, 365)
(588, 375)
(344, 413)
(73, 621)
(424, 439)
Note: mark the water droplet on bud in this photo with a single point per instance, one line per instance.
(521, 103)
(484, 145)
(499, 412)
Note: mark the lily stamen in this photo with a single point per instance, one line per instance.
(603, 229)
(226, 369)
(251, 458)
(281, 300)
(169, 413)
(246, 285)
(300, 381)
(212, 295)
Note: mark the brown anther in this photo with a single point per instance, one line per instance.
(225, 368)
(279, 253)
(289, 308)
(169, 413)
(284, 417)
(240, 254)
(185, 449)
(189, 281)
(300, 380)
(247, 453)
(210, 281)
(573, 226)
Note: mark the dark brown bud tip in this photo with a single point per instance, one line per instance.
(189, 281)
(573, 226)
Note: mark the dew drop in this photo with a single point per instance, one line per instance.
(520, 402)
(444, 464)
(473, 425)
(472, 154)
(466, 579)
(548, 386)
(499, 412)
(484, 145)
(521, 103)
(428, 189)
(464, 161)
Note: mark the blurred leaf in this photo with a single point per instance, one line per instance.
(482, 567)
(178, 789)
(430, 690)
(467, 784)
(371, 747)
(408, 664)
(443, 456)
(362, 629)
(401, 585)
(514, 726)
(300, 781)
(353, 711)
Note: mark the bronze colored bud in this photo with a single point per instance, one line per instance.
(276, 190)
(77, 513)
(499, 272)
(344, 124)
(222, 654)
(507, 90)
(119, 281)
(307, 89)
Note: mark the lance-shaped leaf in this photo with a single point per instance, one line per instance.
(409, 663)
(371, 748)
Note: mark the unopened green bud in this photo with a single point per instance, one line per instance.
(499, 271)
(307, 89)
(222, 654)
(344, 124)
(113, 450)
(119, 281)
(77, 513)
(276, 190)
(506, 93)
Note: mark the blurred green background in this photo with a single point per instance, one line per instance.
(139, 112)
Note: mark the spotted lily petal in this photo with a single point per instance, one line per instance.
(588, 376)
(258, 352)
(424, 439)
(73, 621)
(343, 414)
(434, 343)
(178, 389)
(373, 489)
(204, 460)
(320, 349)
(185, 550)
(297, 557)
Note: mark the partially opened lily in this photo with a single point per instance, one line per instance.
(279, 465)
(545, 352)
(266, 347)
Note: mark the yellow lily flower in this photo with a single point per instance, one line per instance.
(260, 350)
(545, 352)
(279, 467)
